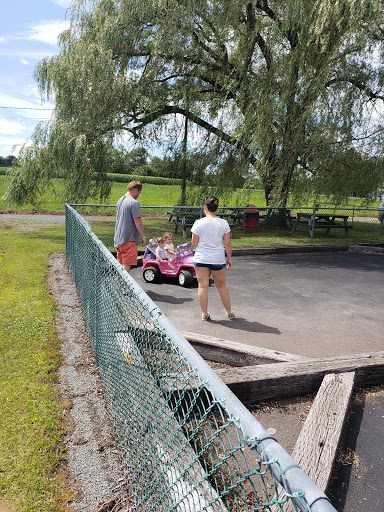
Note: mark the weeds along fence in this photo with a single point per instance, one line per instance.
(188, 443)
(253, 227)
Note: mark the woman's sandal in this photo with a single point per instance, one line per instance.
(206, 317)
(231, 315)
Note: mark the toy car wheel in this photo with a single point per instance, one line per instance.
(151, 274)
(185, 278)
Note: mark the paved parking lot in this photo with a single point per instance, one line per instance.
(314, 305)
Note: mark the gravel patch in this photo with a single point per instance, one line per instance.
(94, 463)
(29, 222)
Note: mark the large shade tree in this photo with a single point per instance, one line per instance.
(272, 84)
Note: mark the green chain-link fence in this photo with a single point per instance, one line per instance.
(188, 443)
(265, 227)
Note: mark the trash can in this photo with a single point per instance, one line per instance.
(251, 219)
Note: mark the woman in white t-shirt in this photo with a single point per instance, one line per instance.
(208, 235)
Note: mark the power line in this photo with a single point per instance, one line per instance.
(28, 108)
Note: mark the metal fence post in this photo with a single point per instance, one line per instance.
(312, 222)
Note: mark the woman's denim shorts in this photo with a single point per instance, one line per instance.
(210, 265)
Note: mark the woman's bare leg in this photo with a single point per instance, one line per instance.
(202, 274)
(221, 285)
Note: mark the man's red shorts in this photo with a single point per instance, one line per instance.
(127, 254)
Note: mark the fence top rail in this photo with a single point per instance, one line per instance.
(243, 208)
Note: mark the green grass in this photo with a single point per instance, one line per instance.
(31, 414)
(152, 195)
(52, 200)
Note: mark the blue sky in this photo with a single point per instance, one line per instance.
(28, 32)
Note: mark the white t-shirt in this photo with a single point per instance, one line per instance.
(210, 246)
(171, 247)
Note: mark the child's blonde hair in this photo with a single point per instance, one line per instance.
(160, 240)
(167, 234)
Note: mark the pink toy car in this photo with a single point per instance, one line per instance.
(181, 266)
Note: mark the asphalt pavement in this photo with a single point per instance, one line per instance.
(314, 305)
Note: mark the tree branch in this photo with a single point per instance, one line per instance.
(219, 43)
(263, 6)
(255, 39)
(264, 50)
(360, 85)
(173, 109)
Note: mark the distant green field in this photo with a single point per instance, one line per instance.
(53, 200)
(152, 195)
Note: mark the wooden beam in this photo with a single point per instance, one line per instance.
(251, 384)
(234, 353)
(316, 447)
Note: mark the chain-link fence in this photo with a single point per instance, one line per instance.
(188, 443)
(254, 226)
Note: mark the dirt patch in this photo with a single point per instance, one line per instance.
(95, 467)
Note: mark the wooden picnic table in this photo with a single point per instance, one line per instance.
(231, 215)
(237, 215)
(184, 218)
(322, 220)
(263, 213)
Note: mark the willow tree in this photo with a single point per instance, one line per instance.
(275, 82)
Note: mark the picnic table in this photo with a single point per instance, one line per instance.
(231, 215)
(263, 213)
(237, 215)
(322, 220)
(184, 218)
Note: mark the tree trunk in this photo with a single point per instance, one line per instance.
(184, 164)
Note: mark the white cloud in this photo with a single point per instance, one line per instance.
(10, 128)
(23, 61)
(12, 146)
(16, 101)
(62, 3)
(37, 54)
(24, 108)
(48, 31)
